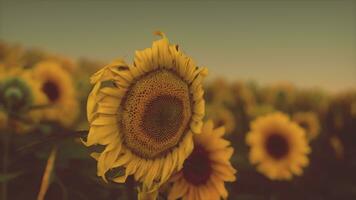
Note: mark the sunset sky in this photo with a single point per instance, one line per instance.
(310, 43)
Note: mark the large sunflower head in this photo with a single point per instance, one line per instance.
(145, 114)
(309, 122)
(278, 146)
(57, 86)
(206, 169)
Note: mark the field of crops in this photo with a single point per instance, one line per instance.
(154, 128)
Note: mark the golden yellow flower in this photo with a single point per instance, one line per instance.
(17, 85)
(222, 116)
(19, 93)
(309, 121)
(145, 114)
(58, 87)
(278, 146)
(206, 169)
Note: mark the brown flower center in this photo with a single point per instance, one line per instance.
(51, 90)
(156, 113)
(197, 167)
(277, 146)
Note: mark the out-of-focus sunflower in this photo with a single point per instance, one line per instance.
(278, 146)
(19, 93)
(145, 114)
(309, 122)
(206, 169)
(221, 116)
(282, 95)
(58, 87)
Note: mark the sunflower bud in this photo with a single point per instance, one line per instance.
(16, 95)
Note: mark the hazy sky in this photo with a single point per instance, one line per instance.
(310, 43)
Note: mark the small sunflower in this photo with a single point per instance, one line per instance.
(222, 116)
(19, 93)
(278, 146)
(309, 122)
(206, 169)
(145, 114)
(58, 87)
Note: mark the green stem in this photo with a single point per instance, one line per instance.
(5, 163)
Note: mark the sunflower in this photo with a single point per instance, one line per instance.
(278, 146)
(145, 114)
(60, 93)
(19, 93)
(309, 122)
(206, 169)
(222, 116)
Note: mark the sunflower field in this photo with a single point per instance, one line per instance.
(158, 127)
